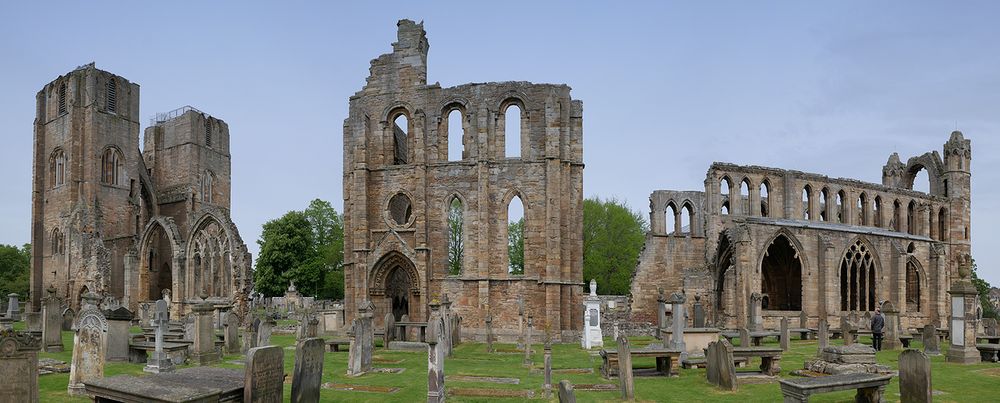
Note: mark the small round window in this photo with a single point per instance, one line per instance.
(400, 209)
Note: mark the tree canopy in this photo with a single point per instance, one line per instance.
(613, 236)
(302, 246)
(15, 268)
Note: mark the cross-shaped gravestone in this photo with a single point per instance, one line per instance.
(161, 319)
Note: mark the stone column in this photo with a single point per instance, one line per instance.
(890, 341)
(203, 349)
(52, 321)
(964, 318)
(661, 314)
(548, 369)
(680, 322)
(823, 335)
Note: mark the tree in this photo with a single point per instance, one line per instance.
(286, 253)
(456, 246)
(15, 269)
(515, 246)
(613, 236)
(983, 286)
(328, 244)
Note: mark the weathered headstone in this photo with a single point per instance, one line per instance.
(720, 369)
(548, 369)
(435, 356)
(160, 362)
(52, 321)
(264, 376)
(990, 327)
(699, 312)
(930, 340)
(456, 330)
(390, 328)
(891, 329)
(69, 316)
(661, 314)
(566, 394)
(308, 374)
(404, 330)
(19, 366)
(784, 334)
(446, 315)
(312, 327)
(264, 331)
(13, 309)
(823, 334)
(32, 320)
(362, 334)
(88, 346)
(744, 337)
(119, 323)
(677, 301)
(520, 323)
(914, 377)
(847, 330)
(250, 337)
(625, 369)
(527, 343)
(803, 320)
(203, 349)
(756, 320)
(231, 333)
(489, 333)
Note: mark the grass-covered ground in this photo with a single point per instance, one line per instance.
(954, 383)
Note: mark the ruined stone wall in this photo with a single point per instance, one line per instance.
(546, 177)
(914, 238)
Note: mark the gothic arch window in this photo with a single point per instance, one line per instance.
(57, 242)
(111, 91)
(400, 138)
(764, 194)
(516, 231)
(670, 219)
(862, 214)
(454, 123)
(806, 205)
(823, 196)
(62, 98)
(687, 218)
(911, 215)
(57, 167)
(877, 212)
(456, 231)
(857, 278)
(208, 132)
(912, 287)
(781, 275)
(725, 186)
(514, 127)
(841, 207)
(208, 187)
(745, 197)
(113, 167)
(942, 225)
(897, 216)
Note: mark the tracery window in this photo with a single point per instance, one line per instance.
(857, 279)
(112, 167)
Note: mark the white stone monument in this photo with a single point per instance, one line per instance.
(592, 336)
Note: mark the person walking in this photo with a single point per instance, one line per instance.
(878, 322)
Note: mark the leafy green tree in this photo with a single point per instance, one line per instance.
(15, 268)
(515, 246)
(613, 236)
(328, 244)
(286, 253)
(983, 286)
(456, 246)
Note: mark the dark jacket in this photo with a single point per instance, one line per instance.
(878, 322)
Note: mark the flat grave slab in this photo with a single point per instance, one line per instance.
(361, 388)
(184, 385)
(479, 392)
(481, 378)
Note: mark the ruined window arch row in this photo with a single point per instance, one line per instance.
(807, 211)
(687, 217)
(745, 196)
(454, 138)
(764, 195)
(671, 215)
(515, 137)
(397, 124)
(726, 192)
(824, 205)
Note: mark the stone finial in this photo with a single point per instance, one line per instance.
(965, 266)
(291, 285)
(593, 288)
(677, 298)
(203, 294)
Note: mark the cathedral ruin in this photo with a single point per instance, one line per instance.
(129, 224)
(405, 200)
(803, 242)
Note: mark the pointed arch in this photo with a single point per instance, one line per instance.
(862, 214)
(395, 285)
(807, 213)
(764, 193)
(914, 285)
(824, 196)
(859, 269)
(841, 207)
(911, 218)
(211, 253)
(745, 197)
(454, 131)
(687, 221)
(515, 134)
(781, 267)
(57, 167)
(725, 280)
(726, 190)
(942, 224)
(670, 219)
(515, 230)
(455, 225)
(877, 213)
(113, 166)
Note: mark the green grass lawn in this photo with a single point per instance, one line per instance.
(955, 383)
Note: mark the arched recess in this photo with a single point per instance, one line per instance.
(745, 204)
(515, 135)
(781, 269)
(929, 168)
(399, 124)
(726, 189)
(859, 270)
(841, 213)
(687, 218)
(670, 218)
(807, 213)
(515, 230)
(725, 282)
(911, 218)
(914, 285)
(942, 224)
(211, 265)
(861, 217)
(824, 197)
(455, 233)
(765, 194)
(160, 259)
(453, 131)
(395, 285)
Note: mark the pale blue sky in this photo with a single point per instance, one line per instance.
(668, 88)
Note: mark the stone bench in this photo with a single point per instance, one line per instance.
(138, 351)
(870, 387)
(803, 332)
(988, 339)
(770, 358)
(700, 362)
(989, 351)
(756, 338)
(667, 361)
(334, 345)
(404, 330)
(905, 339)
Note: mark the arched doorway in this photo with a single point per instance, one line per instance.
(725, 284)
(396, 286)
(397, 290)
(781, 276)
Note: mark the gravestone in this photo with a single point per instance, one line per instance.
(264, 376)
(32, 320)
(756, 320)
(13, 309)
(891, 339)
(699, 312)
(446, 315)
(52, 321)
(69, 316)
(312, 327)
(914, 377)
(680, 322)
(964, 316)
(489, 333)
(390, 328)
(847, 330)
(720, 369)
(566, 394)
(930, 339)
(592, 334)
(19, 366)
(231, 333)
(990, 327)
(403, 331)
(88, 346)
(527, 343)
(264, 330)
(362, 334)
(250, 334)
(160, 362)
(823, 334)
(435, 356)
(203, 349)
(456, 330)
(744, 337)
(784, 334)
(119, 324)
(308, 373)
(803, 320)
(548, 368)
(661, 314)
(625, 369)
(520, 323)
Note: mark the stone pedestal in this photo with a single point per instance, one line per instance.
(592, 335)
(679, 323)
(203, 349)
(890, 341)
(964, 321)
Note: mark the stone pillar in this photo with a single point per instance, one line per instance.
(592, 335)
(160, 362)
(625, 369)
(203, 349)
(89, 343)
(19, 363)
(890, 340)
(13, 309)
(964, 318)
(448, 328)
(661, 314)
(680, 322)
(548, 369)
(527, 343)
(785, 335)
(435, 357)
(823, 334)
(52, 321)
(756, 320)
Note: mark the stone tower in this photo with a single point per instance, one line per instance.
(84, 204)
(402, 193)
